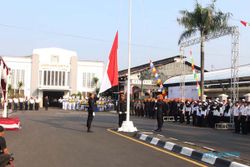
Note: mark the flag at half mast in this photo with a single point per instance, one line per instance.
(110, 78)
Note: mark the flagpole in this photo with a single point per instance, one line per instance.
(128, 126)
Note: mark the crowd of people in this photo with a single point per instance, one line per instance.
(23, 103)
(198, 113)
(77, 103)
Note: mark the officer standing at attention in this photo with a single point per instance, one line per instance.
(159, 113)
(91, 109)
(122, 107)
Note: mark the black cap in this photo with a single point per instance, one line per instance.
(1, 129)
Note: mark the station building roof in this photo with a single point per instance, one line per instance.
(216, 75)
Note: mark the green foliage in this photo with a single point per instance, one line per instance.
(203, 20)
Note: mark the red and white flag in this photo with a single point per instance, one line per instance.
(110, 78)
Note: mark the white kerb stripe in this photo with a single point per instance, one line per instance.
(11, 126)
(236, 164)
(169, 145)
(143, 137)
(154, 141)
(187, 151)
(209, 158)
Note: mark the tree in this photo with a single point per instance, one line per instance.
(145, 74)
(95, 81)
(19, 86)
(203, 20)
(9, 90)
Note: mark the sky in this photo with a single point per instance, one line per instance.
(89, 26)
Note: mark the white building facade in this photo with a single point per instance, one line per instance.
(53, 72)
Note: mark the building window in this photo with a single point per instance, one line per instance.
(44, 77)
(56, 78)
(88, 80)
(63, 78)
(52, 78)
(60, 78)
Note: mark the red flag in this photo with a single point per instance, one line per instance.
(244, 23)
(111, 74)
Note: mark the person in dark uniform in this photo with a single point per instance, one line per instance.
(46, 102)
(175, 110)
(4, 153)
(26, 103)
(188, 110)
(181, 110)
(91, 109)
(122, 107)
(159, 113)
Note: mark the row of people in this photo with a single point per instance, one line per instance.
(75, 103)
(23, 103)
(203, 114)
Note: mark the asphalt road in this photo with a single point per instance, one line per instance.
(220, 140)
(59, 139)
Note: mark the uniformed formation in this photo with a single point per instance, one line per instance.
(22, 103)
(75, 103)
(199, 113)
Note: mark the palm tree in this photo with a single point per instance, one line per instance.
(19, 86)
(203, 20)
(9, 90)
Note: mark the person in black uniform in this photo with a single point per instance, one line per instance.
(175, 110)
(159, 113)
(4, 153)
(91, 109)
(26, 103)
(46, 102)
(122, 107)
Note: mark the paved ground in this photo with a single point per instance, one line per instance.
(59, 139)
(220, 140)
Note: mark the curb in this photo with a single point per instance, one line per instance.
(193, 154)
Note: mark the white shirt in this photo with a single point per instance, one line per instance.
(235, 110)
(15, 100)
(32, 101)
(21, 100)
(243, 110)
(248, 110)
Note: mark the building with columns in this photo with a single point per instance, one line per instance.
(53, 72)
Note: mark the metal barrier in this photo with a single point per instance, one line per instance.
(171, 118)
(224, 126)
(168, 118)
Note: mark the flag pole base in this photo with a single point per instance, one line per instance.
(127, 126)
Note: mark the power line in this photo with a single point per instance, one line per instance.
(77, 36)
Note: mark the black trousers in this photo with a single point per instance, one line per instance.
(243, 124)
(4, 159)
(31, 106)
(159, 121)
(89, 121)
(187, 117)
(21, 105)
(122, 117)
(15, 106)
(237, 124)
(36, 106)
(26, 105)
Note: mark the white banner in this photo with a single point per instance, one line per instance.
(190, 92)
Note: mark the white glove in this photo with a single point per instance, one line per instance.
(93, 113)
